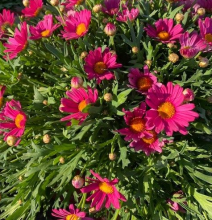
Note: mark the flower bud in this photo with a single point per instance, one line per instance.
(135, 50)
(46, 138)
(11, 140)
(173, 57)
(25, 3)
(108, 97)
(201, 11)
(54, 2)
(20, 178)
(19, 201)
(62, 8)
(63, 69)
(92, 210)
(203, 62)
(62, 160)
(45, 102)
(105, 21)
(112, 156)
(76, 82)
(170, 45)
(97, 8)
(30, 52)
(61, 105)
(78, 182)
(110, 29)
(148, 62)
(83, 54)
(188, 95)
(113, 52)
(179, 17)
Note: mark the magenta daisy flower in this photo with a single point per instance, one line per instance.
(13, 120)
(206, 4)
(77, 100)
(141, 81)
(206, 30)
(98, 64)
(72, 214)
(2, 91)
(136, 124)
(34, 8)
(111, 7)
(18, 43)
(6, 19)
(44, 28)
(104, 191)
(167, 109)
(191, 44)
(127, 14)
(77, 25)
(165, 31)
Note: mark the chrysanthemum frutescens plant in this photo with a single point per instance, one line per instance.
(106, 110)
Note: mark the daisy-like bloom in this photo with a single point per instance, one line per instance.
(104, 191)
(6, 19)
(174, 205)
(141, 81)
(77, 100)
(34, 8)
(44, 28)
(167, 109)
(165, 31)
(17, 43)
(72, 214)
(191, 44)
(98, 64)
(77, 25)
(137, 127)
(206, 30)
(111, 7)
(2, 91)
(127, 14)
(13, 120)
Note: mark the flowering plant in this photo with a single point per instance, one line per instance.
(105, 110)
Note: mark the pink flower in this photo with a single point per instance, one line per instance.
(98, 64)
(34, 8)
(76, 82)
(188, 95)
(188, 4)
(165, 31)
(2, 91)
(77, 25)
(18, 43)
(167, 109)
(69, 4)
(141, 81)
(104, 191)
(72, 214)
(44, 28)
(136, 124)
(127, 14)
(174, 205)
(206, 30)
(78, 182)
(13, 120)
(206, 4)
(110, 29)
(191, 44)
(6, 19)
(111, 7)
(76, 102)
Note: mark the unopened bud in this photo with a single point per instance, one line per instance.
(112, 156)
(20, 178)
(61, 105)
(25, 3)
(62, 8)
(110, 29)
(113, 52)
(11, 140)
(78, 182)
(97, 8)
(19, 76)
(173, 57)
(108, 97)
(76, 82)
(63, 69)
(170, 45)
(105, 21)
(30, 52)
(135, 50)
(179, 17)
(83, 54)
(148, 63)
(45, 102)
(188, 95)
(203, 62)
(54, 2)
(19, 201)
(62, 160)
(201, 11)
(92, 210)
(46, 138)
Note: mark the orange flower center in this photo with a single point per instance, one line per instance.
(18, 120)
(208, 38)
(82, 105)
(137, 125)
(144, 83)
(72, 217)
(163, 35)
(37, 12)
(166, 110)
(106, 188)
(1, 102)
(45, 33)
(79, 2)
(152, 139)
(100, 67)
(81, 28)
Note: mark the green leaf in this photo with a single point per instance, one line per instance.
(122, 97)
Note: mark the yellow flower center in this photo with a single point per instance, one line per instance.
(166, 110)
(82, 105)
(137, 125)
(100, 67)
(163, 35)
(106, 188)
(144, 83)
(45, 33)
(81, 28)
(152, 139)
(79, 2)
(187, 47)
(1, 102)
(72, 217)
(208, 38)
(19, 118)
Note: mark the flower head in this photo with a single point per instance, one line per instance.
(165, 31)
(13, 120)
(141, 81)
(72, 214)
(33, 9)
(206, 30)
(188, 95)
(17, 43)
(6, 19)
(2, 91)
(44, 28)
(76, 102)
(98, 64)
(110, 29)
(167, 109)
(111, 7)
(104, 191)
(77, 25)
(174, 205)
(191, 44)
(78, 182)
(76, 82)
(69, 4)
(127, 14)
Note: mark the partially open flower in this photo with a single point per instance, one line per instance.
(54, 2)
(201, 11)
(76, 82)
(78, 182)
(11, 140)
(46, 138)
(62, 8)
(188, 95)
(110, 29)
(108, 97)
(179, 17)
(173, 57)
(83, 54)
(97, 8)
(203, 62)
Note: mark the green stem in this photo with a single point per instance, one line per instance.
(82, 201)
(83, 170)
(115, 216)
